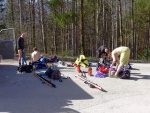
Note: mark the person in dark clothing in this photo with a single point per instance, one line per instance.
(21, 47)
(102, 53)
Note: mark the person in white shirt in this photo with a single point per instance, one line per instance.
(36, 56)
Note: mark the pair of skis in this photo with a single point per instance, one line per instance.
(45, 81)
(48, 82)
(91, 84)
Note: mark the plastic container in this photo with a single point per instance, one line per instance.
(90, 71)
(78, 69)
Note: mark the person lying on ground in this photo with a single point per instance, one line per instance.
(54, 59)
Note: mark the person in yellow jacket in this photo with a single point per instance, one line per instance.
(124, 53)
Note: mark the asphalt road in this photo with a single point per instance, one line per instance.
(24, 93)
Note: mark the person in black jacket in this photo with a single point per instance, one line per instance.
(21, 47)
(102, 53)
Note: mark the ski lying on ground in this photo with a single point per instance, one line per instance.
(49, 83)
(67, 64)
(91, 84)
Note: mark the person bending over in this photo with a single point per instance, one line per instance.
(124, 53)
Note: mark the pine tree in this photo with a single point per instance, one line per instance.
(2, 9)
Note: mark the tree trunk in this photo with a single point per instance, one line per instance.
(20, 9)
(43, 26)
(97, 25)
(82, 28)
(104, 23)
(112, 25)
(117, 25)
(133, 32)
(120, 23)
(33, 23)
(73, 29)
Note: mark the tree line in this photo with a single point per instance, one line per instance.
(74, 27)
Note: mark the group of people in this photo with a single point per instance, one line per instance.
(36, 56)
(120, 56)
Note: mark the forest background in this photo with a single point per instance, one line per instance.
(74, 27)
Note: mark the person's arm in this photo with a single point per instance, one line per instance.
(117, 63)
(31, 58)
(114, 56)
(118, 70)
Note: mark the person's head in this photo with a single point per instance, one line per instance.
(35, 49)
(23, 35)
(110, 55)
(106, 50)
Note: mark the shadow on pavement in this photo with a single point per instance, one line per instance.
(24, 93)
(138, 77)
(134, 69)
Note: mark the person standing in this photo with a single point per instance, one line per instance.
(124, 53)
(24, 61)
(21, 47)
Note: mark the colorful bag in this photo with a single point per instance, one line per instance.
(99, 74)
(124, 74)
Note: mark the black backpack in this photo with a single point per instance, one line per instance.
(49, 72)
(124, 74)
(56, 75)
(53, 74)
(25, 68)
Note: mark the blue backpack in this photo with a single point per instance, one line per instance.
(43, 60)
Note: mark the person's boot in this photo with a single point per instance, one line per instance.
(19, 64)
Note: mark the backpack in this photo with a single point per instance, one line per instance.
(56, 75)
(49, 72)
(99, 74)
(53, 74)
(82, 61)
(44, 60)
(39, 65)
(124, 74)
(25, 68)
